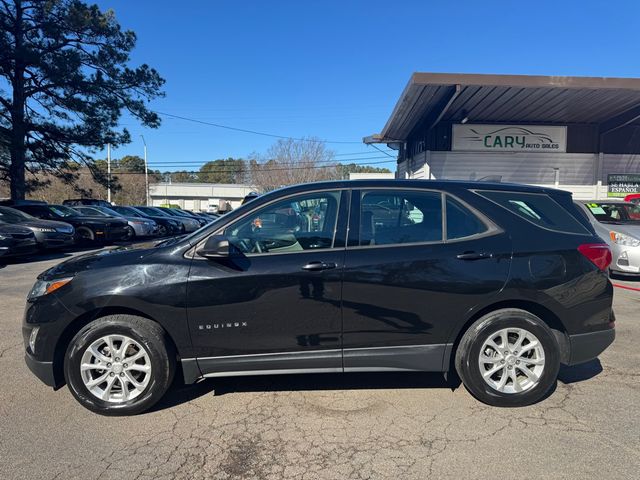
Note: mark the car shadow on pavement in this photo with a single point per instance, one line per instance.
(179, 394)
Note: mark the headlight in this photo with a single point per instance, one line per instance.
(45, 229)
(32, 339)
(623, 239)
(45, 287)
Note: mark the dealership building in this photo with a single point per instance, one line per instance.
(213, 197)
(575, 133)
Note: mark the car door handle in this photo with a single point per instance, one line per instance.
(474, 255)
(316, 266)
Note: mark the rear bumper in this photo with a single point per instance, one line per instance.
(42, 370)
(587, 346)
(58, 241)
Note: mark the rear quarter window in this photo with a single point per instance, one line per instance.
(537, 208)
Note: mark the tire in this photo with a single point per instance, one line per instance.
(146, 336)
(162, 231)
(130, 234)
(84, 235)
(522, 390)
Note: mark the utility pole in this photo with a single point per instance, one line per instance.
(109, 172)
(146, 170)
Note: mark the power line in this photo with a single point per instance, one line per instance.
(244, 130)
(266, 169)
(350, 160)
(382, 151)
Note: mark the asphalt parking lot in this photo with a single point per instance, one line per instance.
(361, 426)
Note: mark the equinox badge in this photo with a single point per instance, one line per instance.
(215, 326)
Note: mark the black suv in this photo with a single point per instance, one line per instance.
(500, 282)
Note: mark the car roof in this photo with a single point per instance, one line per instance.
(435, 184)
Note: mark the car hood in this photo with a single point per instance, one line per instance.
(138, 219)
(103, 220)
(10, 228)
(45, 224)
(632, 229)
(110, 257)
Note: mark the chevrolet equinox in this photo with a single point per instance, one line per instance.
(501, 283)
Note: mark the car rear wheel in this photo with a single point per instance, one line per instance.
(119, 365)
(508, 358)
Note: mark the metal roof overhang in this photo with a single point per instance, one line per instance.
(430, 98)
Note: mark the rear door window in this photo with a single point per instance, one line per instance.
(393, 217)
(537, 208)
(461, 222)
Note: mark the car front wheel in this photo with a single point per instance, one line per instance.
(119, 365)
(508, 358)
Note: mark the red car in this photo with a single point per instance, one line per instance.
(634, 197)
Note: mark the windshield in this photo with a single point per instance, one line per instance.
(171, 212)
(92, 211)
(62, 211)
(614, 212)
(10, 215)
(129, 211)
(108, 211)
(153, 211)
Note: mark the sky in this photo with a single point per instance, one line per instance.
(335, 69)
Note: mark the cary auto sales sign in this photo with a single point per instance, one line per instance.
(509, 138)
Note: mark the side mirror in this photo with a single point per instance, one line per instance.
(216, 246)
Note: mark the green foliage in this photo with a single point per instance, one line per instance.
(66, 65)
(229, 170)
(131, 163)
(181, 177)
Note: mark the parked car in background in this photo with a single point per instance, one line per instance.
(16, 240)
(618, 223)
(209, 217)
(137, 227)
(188, 224)
(86, 201)
(88, 229)
(633, 198)
(501, 282)
(176, 212)
(165, 226)
(48, 233)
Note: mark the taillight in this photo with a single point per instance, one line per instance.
(598, 253)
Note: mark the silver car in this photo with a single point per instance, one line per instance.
(137, 227)
(618, 223)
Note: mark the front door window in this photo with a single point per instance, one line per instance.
(306, 222)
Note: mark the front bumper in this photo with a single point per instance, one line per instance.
(43, 370)
(143, 230)
(587, 346)
(626, 260)
(56, 240)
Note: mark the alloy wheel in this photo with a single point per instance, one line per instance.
(115, 368)
(511, 360)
